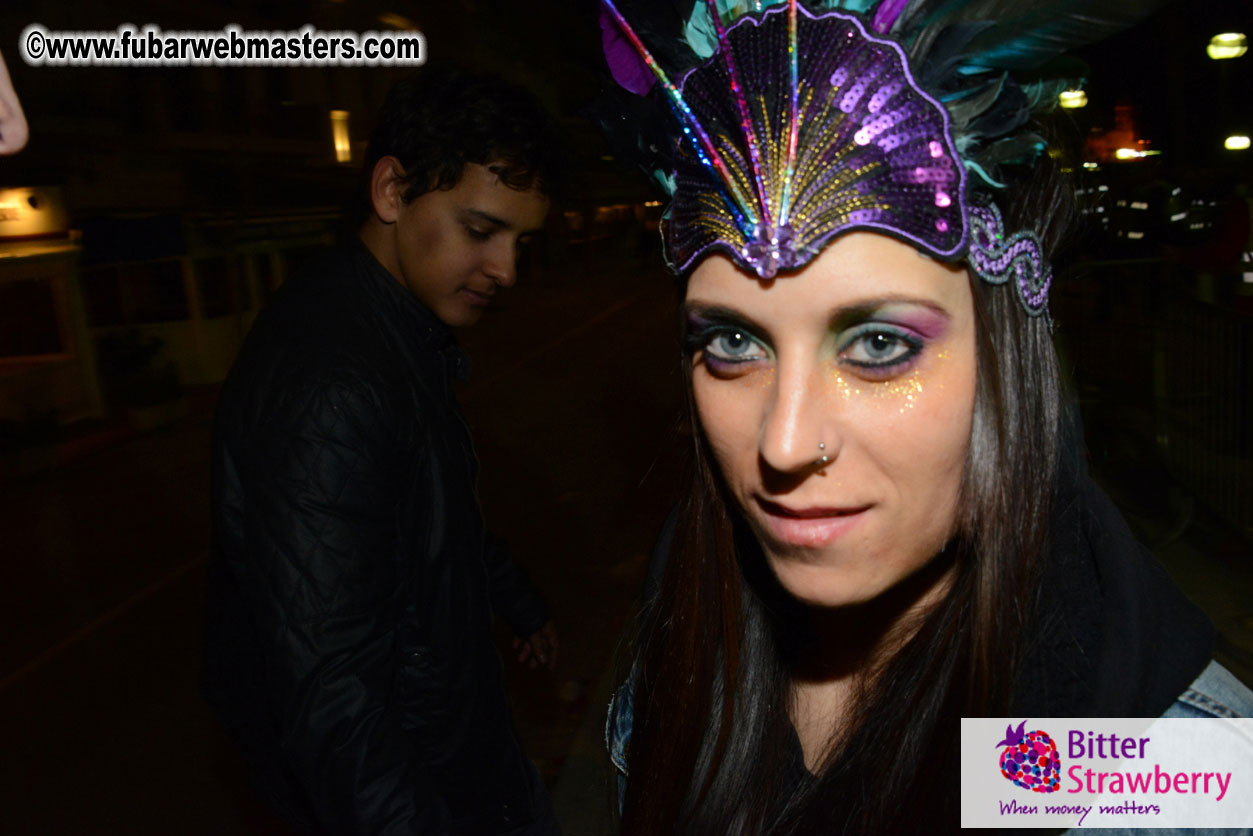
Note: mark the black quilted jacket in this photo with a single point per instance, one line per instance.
(349, 628)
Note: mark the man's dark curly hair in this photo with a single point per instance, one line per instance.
(440, 118)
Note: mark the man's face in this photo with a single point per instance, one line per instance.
(455, 248)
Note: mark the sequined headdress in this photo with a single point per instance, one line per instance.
(797, 123)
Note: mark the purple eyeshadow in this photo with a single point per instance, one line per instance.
(926, 323)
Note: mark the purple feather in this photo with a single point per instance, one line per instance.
(886, 14)
(625, 63)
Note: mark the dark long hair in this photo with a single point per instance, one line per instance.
(713, 752)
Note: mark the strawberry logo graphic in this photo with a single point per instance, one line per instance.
(1030, 759)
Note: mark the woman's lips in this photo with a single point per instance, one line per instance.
(814, 526)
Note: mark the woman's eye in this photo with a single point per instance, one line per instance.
(733, 347)
(880, 349)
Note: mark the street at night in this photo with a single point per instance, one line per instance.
(155, 212)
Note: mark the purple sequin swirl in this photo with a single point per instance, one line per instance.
(996, 259)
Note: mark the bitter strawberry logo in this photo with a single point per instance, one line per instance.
(1030, 759)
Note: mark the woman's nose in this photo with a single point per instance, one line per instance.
(797, 432)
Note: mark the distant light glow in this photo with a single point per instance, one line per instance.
(339, 135)
(1072, 98)
(1134, 154)
(1236, 142)
(1227, 45)
(393, 20)
(1091, 166)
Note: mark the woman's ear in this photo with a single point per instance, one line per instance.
(387, 189)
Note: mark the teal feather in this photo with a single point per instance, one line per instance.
(983, 175)
(1025, 33)
(700, 33)
(1042, 96)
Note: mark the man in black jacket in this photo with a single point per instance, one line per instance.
(349, 648)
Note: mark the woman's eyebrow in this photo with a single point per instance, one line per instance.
(842, 314)
(723, 315)
(864, 309)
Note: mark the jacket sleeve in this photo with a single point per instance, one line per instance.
(514, 598)
(319, 536)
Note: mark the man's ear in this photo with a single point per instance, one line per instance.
(387, 189)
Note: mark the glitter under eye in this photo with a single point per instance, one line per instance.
(906, 390)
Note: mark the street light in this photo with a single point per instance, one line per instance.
(1227, 45)
(1236, 142)
(1072, 98)
(1134, 154)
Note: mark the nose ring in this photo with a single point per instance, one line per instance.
(824, 458)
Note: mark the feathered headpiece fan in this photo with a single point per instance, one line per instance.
(797, 122)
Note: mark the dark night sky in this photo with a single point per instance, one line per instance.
(1184, 103)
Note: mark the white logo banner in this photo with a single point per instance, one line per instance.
(1103, 772)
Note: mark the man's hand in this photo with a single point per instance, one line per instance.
(13, 129)
(539, 648)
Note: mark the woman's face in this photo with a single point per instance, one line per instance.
(869, 351)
